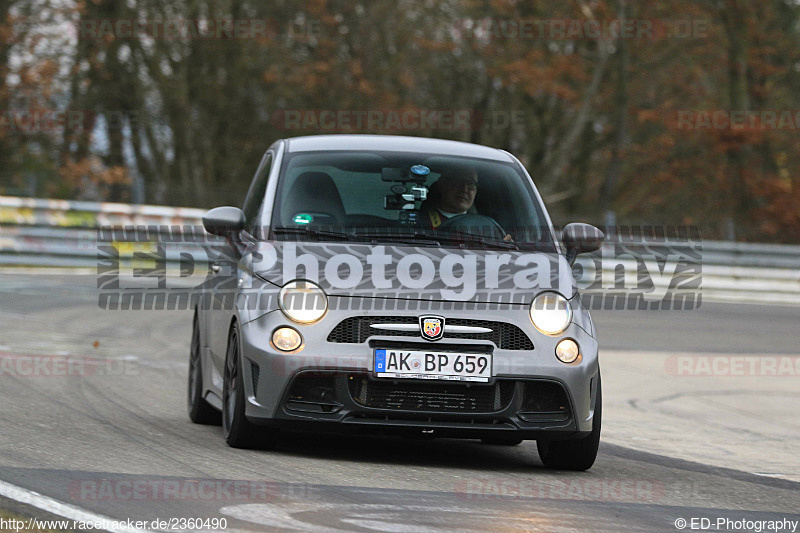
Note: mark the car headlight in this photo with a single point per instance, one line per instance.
(550, 313)
(303, 301)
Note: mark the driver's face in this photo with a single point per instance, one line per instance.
(458, 193)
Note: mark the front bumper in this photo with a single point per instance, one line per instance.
(349, 399)
(341, 401)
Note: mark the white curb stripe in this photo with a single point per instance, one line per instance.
(56, 507)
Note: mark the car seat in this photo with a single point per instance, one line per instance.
(314, 194)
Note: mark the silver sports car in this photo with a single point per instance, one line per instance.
(396, 285)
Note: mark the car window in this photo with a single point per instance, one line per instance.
(359, 191)
(255, 196)
(355, 187)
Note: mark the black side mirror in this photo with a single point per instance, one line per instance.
(581, 238)
(224, 221)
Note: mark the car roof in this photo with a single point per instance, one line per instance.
(394, 143)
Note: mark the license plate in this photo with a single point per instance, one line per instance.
(432, 365)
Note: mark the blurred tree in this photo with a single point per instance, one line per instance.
(6, 143)
(726, 179)
(183, 119)
(30, 72)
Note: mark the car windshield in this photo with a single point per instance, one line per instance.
(419, 199)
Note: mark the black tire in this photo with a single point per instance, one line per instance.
(502, 441)
(575, 454)
(200, 411)
(237, 430)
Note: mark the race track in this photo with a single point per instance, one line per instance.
(113, 437)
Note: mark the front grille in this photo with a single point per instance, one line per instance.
(356, 330)
(431, 397)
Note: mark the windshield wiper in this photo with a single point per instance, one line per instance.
(404, 238)
(417, 237)
(313, 232)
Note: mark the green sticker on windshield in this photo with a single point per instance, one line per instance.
(303, 218)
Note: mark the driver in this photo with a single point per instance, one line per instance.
(453, 194)
(456, 190)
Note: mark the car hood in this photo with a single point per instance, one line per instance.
(415, 273)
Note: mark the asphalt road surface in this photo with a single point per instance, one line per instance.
(114, 439)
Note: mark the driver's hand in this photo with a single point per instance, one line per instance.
(508, 238)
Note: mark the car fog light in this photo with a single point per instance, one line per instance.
(567, 351)
(286, 339)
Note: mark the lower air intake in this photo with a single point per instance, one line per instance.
(431, 397)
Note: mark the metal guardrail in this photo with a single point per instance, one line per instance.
(57, 233)
(38, 232)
